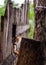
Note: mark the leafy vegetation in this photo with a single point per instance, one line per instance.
(2, 9)
(31, 20)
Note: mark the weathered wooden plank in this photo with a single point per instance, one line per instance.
(22, 22)
(21, 29)
(25, 11)
(7, 33)
(1, 30)
(31, 53)
(1, 55)
(16, 16)
(4, 39)
(9, 37)
(27, 18)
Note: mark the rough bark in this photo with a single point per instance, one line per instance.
(40, 22)
(31, 53)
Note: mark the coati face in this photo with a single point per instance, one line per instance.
(18, 39)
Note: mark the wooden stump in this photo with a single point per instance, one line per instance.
(31, 53)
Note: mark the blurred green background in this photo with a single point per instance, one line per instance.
(31, 20)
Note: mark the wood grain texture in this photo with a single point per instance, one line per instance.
(40, 21)
(17, 16)
(6, 43)
(21, 29)
(31, 53)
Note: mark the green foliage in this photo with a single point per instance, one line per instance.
(31, 20)
(31, 12)
(2, 9)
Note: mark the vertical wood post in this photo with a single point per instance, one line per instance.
(7, 32)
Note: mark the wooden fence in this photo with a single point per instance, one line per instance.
(19, 17)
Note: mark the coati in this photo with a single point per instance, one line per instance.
(17, 45)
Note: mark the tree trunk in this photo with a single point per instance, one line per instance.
(40, 26)
(40, 23)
